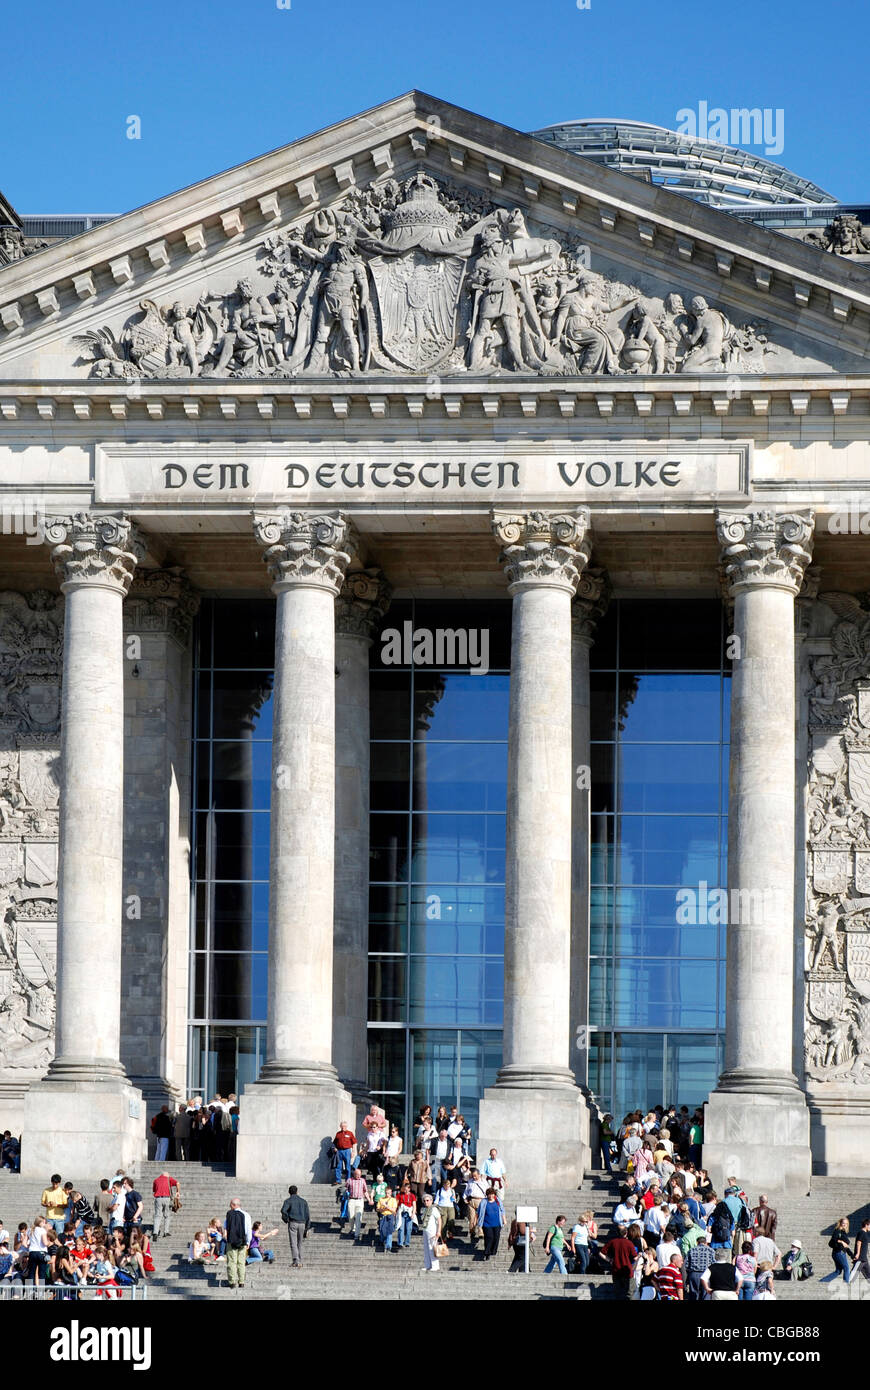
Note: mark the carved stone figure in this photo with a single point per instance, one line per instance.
(826, 941)
(249, 340)
(422, 276)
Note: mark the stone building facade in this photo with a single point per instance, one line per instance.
(420, 357)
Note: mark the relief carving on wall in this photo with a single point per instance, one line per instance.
(31, 638)
(426, 278)
(837, 1036)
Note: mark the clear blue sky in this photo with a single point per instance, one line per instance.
(217, 83)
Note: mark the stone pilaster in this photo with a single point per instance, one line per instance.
(85, 1115)
(359, 608)
(535, 1113)
(757, 1125)
(289, 1115)
(158, 617)
(589, 606)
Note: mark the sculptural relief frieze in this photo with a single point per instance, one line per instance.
(31, 637)
(426, 278)
(837, 1036)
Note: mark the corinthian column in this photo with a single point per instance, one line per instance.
(757, 1126)
(359, 609)
(84, 1115)
(533, 1113)
(289, 1115)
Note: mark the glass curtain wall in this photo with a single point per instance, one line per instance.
(660, 689)
(436, 921)
(234, 656)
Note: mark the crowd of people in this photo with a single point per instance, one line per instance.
(74, 1242)
(197, 1132)
(673, 1237)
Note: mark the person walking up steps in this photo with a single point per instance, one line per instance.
(297, 1216)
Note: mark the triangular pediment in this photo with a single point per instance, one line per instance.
(420, 240)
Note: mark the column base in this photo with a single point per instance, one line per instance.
(839, 1130)
(84, 1129)
(541, 1133)
(762, 1140)
(286, 1128)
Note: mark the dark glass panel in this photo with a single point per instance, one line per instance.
(390, 704)
(668, 849)
(241, 778)
(456, 989)
(244, 633)
(238, 985)
(203, 705)
(435, 1073)
(386, 1061)
(602, 705)
(602, 772)
(670, 635)
(388, 917)
(665, 777)
(599, 993)
(203, 633)
(464, 920)
(199, 967)
(638, 1073)
(387, 989)
(664, 993)
(243, 704)
(493, 616)
(600, 1069)
(470, 776)
(669, 708)
(458, 848)
(388, 847)
(240, 916)
(692, 1062)
(390, 773)
(462, 707)
(480, 1056)
(603, 654)
(231, 845)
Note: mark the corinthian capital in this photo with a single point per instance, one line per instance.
(91, 548)
(764, 547)
(308, 549)
(590, 605)
(363, 601)
(544, 548)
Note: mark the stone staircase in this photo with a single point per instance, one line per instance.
(336, 1269)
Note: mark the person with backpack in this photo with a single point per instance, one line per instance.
(296, 1215)
(238, 1228)
(721, 1226)
(554, 1246)
(840, 1249)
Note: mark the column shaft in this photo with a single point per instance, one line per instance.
(302, 833)
(758, 1039)
(538, 867)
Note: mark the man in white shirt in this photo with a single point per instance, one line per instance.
(664, 1250)
(475, 1193)
(493, 1169)
(763, 1248)
(625, 1214)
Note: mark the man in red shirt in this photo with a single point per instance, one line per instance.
(669, 1281)
(620, 1254)
(164, 1189)
(344, 1144)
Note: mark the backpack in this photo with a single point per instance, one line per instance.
(236, 1230)
(722, 1225)
(744, 1220)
